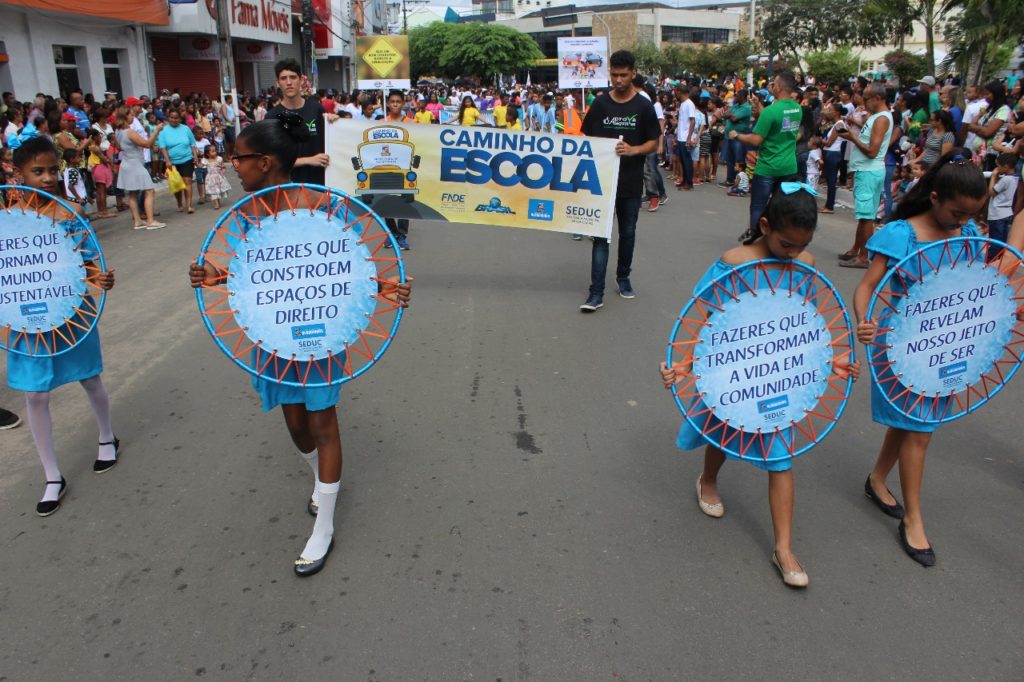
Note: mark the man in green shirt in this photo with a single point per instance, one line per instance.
(927, 84)
(775, 137)
(737, 119)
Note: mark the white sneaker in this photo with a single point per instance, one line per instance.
(155, 226)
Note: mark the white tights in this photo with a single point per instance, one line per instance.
(41, 424)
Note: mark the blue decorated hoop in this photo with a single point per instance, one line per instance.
(939, 355)
(49, 264)
(310, 345)
(793, 313)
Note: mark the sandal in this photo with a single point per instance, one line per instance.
(102, 466)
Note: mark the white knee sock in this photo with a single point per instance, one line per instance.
(41, 425)
(100, 402)
(313, 460)
(323, 527)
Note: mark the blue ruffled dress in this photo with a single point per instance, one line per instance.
(690, 438)
(896, 241)
(272, 393)
(84, 361)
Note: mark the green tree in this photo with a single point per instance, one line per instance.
(979, 32)
(791, 27)
(907, 67)
(674, 59)
(832, 66)
(425, 46)
(732, 57)
(649, 59)
(474, 49)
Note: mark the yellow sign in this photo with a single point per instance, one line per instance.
(382, 58)
(476, 174)
(382, 62)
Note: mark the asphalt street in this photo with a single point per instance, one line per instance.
(514, 506)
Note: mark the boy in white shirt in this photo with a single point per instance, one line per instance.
(1002, 186)
(814, 161)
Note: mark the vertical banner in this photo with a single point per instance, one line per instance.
(582, 62)
(382, 62)
(476, 174)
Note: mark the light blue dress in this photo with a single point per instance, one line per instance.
(270, 391)
(690, 438)
(896, 241)
(84, 361)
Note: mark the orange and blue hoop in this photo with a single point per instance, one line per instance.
(764, 349)
(49, 264)
(948, 335)
(299, 300)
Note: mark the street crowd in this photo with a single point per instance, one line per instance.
(925, 162)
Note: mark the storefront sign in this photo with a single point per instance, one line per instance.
(266, 20)
(204, 48)
(255, 52)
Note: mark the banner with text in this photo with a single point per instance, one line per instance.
(49, 263)
(382, 62)
(476, 175)
(948, 328)
(762, 353)
(583, 62)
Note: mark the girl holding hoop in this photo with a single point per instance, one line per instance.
(783, 232)
(36, 159)
(942, 205)
(265, 153)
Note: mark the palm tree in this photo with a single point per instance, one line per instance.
(978, 33)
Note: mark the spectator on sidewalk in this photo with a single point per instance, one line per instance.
(775, 137)
(867, 160)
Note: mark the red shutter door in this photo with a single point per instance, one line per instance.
(188, 75)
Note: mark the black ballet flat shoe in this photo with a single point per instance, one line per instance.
(49, 507)
(925, 557)
(305, 568)
(893, 510)
(102, 466)
(312, 507)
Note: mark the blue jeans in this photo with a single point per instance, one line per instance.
(887, 191)
(734, 153)
(761, 188)
(832, 161)
(999, 229)
(654, 184)
(686, 158)
(627, 210)
(801, 165)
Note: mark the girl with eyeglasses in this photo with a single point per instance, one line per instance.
(265, 154)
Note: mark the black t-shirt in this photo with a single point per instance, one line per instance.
(312, 112)
(636, 122)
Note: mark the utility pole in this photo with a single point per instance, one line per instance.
(227, 55)
(405, 18)
(307, 35)
(750, 69)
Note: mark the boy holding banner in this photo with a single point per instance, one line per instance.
(312, 161)
(624, 114)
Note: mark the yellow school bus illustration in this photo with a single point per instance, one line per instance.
(386, 164)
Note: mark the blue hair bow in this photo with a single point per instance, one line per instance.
(790, 187)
